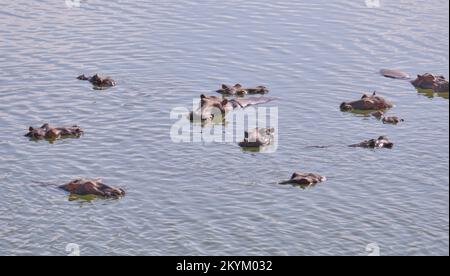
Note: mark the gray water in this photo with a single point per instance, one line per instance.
(212, 198)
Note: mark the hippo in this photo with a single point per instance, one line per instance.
(53, 133)
(395, 74)
(381, 142)
(304, 179)
(393, 120)
(258, 138)
(85, 187)
(239, 90)
(367, 103)
(430, 82)
(98, 82)
(212, 106)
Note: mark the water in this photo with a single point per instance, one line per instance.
(214, 199)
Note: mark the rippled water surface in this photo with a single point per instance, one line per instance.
(203, 198)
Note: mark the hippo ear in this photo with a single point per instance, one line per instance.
(237, 85)
(364, 96)
(374, 93)
(224, 86)
(30, 129)
(225, 102)
(202, 96)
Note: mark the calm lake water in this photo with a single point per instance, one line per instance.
(212, 198)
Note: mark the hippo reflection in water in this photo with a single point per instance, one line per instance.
(304, 180)
(430, 82)
(381, 142)
(86, 187)
(53, 133)
(98, 82)
(239, 90)
(212, 107)
(367, 103)
(258, 138)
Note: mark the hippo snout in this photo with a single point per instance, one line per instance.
(346, 107)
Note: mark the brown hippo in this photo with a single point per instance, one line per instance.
(84, 187)
(430, 82)
(53, 133)
(98, 82)
(381, 142)
(239, 90)
(367, 103)
(304, 179)
(212, 106)
(258, 138)
(395, 74)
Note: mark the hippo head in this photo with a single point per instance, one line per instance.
(38, 133)
(426, 81)
(258, 138)
(384, 142)
(305, 179)
(96, 80)
(212, 101)
(92, 187)
(210, 108)
(367, 103)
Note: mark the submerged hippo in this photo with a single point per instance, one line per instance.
(381, 142)
(258, 138)
(85, 187)
(367, 103)
(212, 106)
(395, 74)
(53, 133)
(98, 82)
(393, 120)
(430, 82)
(239, 90)
(304, 179)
